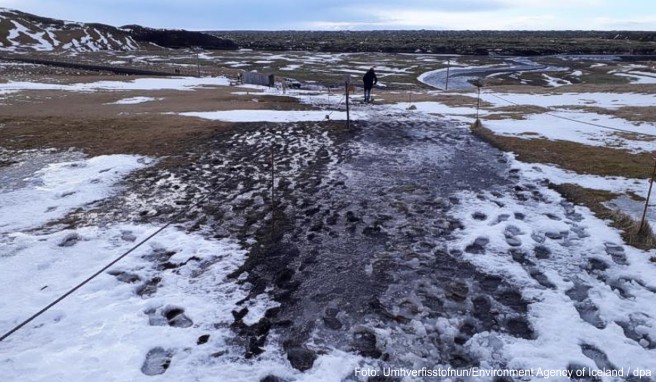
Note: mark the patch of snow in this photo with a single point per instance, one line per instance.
(171, 83)
(59, 188)
(135, 100)
(555, 82)
(603, 100)
(640, 78)
(556, 175)
(291, 67)
(550, 127)
(561, 329)
(279, 116)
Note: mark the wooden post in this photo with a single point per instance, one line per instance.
(273, 194)
(348, 115)
(448, 68)
(651, 184)
(198, 62)
(478, 102)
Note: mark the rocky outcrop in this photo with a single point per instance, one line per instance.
(170, 38)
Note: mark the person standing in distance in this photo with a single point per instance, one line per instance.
(369, 80)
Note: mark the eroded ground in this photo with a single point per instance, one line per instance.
(403, 241)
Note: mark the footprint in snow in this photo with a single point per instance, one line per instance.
(157, 361)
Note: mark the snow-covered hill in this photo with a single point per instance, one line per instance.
(21, 31)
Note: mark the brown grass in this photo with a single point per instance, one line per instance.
(573, 156)
(595, 199)
(584, 159)
(89, 122)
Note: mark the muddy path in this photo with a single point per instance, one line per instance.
(356, 253)
(360, 241)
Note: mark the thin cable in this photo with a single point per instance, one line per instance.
(572, 120)
(336, 106)
(62, 297)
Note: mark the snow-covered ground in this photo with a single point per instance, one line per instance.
(177, 83)
(273, 115)
(590, 296)
(135, 100)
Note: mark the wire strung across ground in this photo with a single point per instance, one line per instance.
(336, 106)
(571, 119)
(71, 291)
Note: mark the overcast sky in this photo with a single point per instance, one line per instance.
(353, 14)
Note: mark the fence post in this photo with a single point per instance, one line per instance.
(273, 194)
(348, 115)
(448, 68)
(651, 184)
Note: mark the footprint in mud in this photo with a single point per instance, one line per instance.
(520, 257)
(157, 361)
(128, 236)
(70, 240)
(599, 357)
(479, 216)
(125, 277)
(542, 252)
(478, 246)
(520, 328)
(511, 232)
(170, 315)
(149, 288)
(330, 319)
(512, 299)
(596, 266)
(588, 311)
(541, 278)
(365, 343)
(482, 310)
(634, 330)
(489, 283)
(616, 252)
(581, 373)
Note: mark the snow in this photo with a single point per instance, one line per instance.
(104, 330)
(42, 44)
(559, 327)
(615, 184)
(279, 116)
(135, 100)
(610, 101)
(59, 188)
(550, 127)
(639, 77)
(169, 83)
(555, 82)
(291, 67)
(555, 125)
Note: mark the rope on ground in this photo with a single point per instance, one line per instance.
(571, 119)
(71, 291)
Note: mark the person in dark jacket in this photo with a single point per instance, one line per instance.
(369, 80)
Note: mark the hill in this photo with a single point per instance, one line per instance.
(21, 31)
(24, 32)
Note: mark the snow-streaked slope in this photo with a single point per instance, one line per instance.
(21, 32)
